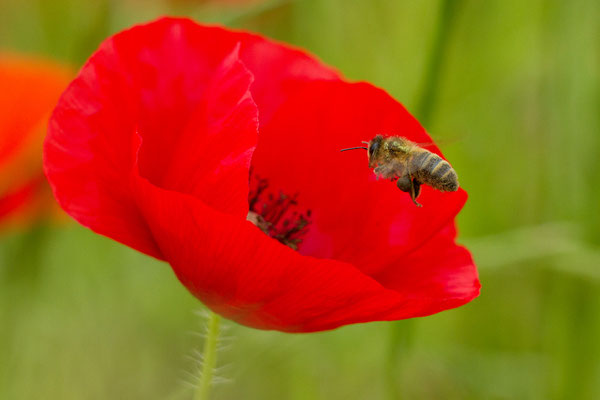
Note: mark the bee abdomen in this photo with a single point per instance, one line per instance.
(432, 170)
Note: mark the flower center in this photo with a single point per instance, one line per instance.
(277, 215)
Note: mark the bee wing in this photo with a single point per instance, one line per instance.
(391, 170)
(437, 143)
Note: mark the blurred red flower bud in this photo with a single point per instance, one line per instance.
(30, 88)
(218, 152)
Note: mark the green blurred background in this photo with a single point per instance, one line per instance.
(512, 91)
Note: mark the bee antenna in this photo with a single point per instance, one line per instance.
(354, 148)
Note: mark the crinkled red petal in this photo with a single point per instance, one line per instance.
(182, 90)
(439, 269)
(242, 274)
(277, 70)
(355, 217)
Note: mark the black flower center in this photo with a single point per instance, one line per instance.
(277, 213)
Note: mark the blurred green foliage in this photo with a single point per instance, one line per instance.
(515, 95)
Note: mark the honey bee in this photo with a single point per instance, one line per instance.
(397, 158)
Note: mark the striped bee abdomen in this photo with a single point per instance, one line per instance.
(432, 170)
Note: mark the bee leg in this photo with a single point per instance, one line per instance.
(415, 191)
(408, 185)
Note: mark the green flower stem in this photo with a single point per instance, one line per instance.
(435, 64)
(210, 357)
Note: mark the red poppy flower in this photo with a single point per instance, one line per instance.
(30, 89)
(173, 132)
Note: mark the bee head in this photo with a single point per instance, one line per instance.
(374, 147)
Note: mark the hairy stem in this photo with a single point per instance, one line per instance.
(209, 358)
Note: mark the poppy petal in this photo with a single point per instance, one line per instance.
(438, 269)
(277, 70)
(170, 88)
(30, 88)
(239, 272)
(355, 217)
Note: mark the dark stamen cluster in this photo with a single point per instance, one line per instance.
(275, 214)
